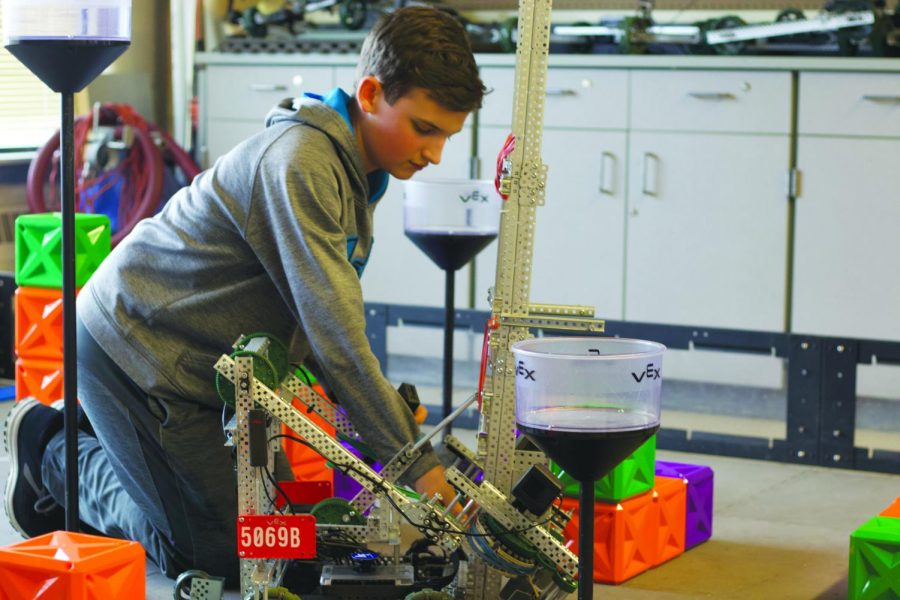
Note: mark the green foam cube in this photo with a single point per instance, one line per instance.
(875, 560)
(39, 248)
(631, 477)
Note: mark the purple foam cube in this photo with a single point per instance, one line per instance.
(698, 521)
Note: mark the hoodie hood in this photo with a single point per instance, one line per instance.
(330, 115)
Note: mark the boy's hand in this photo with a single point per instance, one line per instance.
(434, 482)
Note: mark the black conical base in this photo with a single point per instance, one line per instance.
(66, 66)
(588, 455)
(450, 250)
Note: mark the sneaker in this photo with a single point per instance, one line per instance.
(83, 423)
(29, 506)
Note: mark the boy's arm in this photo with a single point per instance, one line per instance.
(303, 248)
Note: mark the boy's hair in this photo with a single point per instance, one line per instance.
(423, 47)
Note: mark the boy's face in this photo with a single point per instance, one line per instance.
(404, 137)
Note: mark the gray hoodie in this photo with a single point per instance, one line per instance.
(271, 238)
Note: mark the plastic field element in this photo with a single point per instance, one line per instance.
(306, 463)
(40, 379)
(72, 566)
(39, 248)
(699, 519)
(39, 323)
(633, 476)
(625, 536)
(893, 510)
(670, 497)
(875, 560)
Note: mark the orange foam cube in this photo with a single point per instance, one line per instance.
(893, 510)
(625, 536)
(72, 566)
(670, 497)
(39, 323)
(40, 379)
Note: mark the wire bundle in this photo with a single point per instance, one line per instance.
(139, 176)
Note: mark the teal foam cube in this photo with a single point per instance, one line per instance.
(875, 560)
(633, 476)
(39, 248)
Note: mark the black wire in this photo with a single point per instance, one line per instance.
(383, 488)
(266, 490)
(287, 499)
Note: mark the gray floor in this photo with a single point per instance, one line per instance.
(780, 531)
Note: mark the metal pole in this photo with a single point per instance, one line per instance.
(586, 541)
(70, 365)
(449, 326)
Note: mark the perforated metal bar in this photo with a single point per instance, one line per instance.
(241, 374)
(319, 405)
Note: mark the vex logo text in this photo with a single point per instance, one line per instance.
(475, 196)
(650, 373)
(526, 373)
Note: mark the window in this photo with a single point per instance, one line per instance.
(29, 110)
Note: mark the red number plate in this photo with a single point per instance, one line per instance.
(276, 536)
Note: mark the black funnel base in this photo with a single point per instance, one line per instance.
(588, 455)
(67, 66)
(450, 250)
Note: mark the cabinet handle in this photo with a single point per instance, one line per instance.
(608, 169)
(559, 92)
(651, 174)
(712, 95)
(882, 98)
(268, 87)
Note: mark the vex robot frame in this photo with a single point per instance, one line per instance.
(503, 514)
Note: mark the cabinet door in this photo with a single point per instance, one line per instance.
(579, 240)
(707, 230)
(847, 254)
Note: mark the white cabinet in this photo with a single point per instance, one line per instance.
(707, 199)
(847, 253)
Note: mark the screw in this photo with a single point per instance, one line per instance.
(840, 348)
(836, 458)
(803, 372)
(801, 454)
(836, 433)
(801, 429)
(804, 345)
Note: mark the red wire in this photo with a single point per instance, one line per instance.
(508, 146)
(488, 327)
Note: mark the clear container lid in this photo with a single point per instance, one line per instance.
(66, 20)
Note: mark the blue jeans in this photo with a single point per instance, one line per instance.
(157, 472)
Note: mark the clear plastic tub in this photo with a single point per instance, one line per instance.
(66, 19)
(588, 402)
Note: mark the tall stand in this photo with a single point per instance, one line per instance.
(449, 326)
(586, 540)
(70, 364)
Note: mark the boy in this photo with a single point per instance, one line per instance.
(272, 238)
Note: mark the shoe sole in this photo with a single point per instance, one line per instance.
(11, 432)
